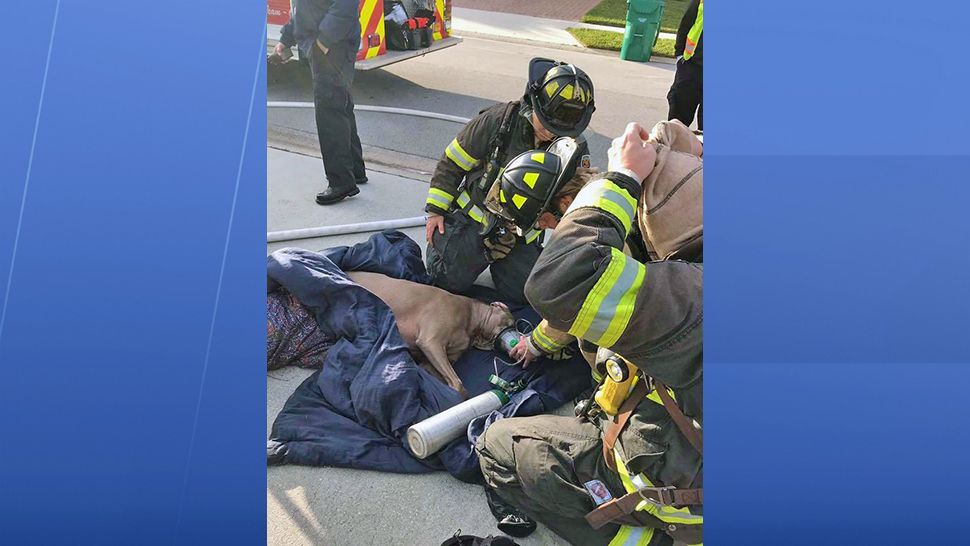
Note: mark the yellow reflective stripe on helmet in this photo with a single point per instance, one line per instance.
(543, 341)
(606, 195)
(439, 198)
(608, 307)
(532, 235)
(456, 153)
(694, 34)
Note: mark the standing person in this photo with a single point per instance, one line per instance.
(328, 34)
(686, 95)
(464, 236)
(635, 479)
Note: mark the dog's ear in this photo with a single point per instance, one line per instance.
(500, 305)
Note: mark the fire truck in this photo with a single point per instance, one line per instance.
(373, 52)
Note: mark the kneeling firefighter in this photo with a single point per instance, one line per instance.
(629, 469)
(464, 236)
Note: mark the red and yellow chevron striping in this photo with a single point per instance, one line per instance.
(440, 31)
(372, 42)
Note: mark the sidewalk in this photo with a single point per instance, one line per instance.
(523, 27)
(570, 10)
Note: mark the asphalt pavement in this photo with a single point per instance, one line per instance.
(334, 506)
(461, 81)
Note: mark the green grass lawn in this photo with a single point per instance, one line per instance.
(613, 13)
(613, 41)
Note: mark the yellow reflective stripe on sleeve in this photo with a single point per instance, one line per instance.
(694, 34)
(608, 307)
(439, 198)
(606, 195)
(456, 153)
(532, 235)
(543, 341)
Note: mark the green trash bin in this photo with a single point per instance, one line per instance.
(642, 29)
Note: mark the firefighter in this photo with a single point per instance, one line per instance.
(465, 237)
(670, 222)
(629, 469)
(328, 34)
(686, 94)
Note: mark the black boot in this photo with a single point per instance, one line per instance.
(330, 196)
(511, 521)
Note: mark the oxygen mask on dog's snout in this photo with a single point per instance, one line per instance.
(509, 337)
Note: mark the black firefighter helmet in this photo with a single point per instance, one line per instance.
(561, 95)
(531, 180)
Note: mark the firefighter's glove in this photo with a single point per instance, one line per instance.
(498, 246)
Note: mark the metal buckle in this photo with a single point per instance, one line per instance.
(665, 494)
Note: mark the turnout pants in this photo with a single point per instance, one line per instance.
(686, 94)
(540, 465)
(457, 257)
(333, 75)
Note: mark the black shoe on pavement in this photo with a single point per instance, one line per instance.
(511, 521)
(330, 196)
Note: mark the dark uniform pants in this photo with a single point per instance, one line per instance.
(333, 75)
(539, 464)
(686, 94)
(457, 257)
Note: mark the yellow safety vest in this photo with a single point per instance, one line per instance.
(695, 32)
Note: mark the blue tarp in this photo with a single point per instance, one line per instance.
(355, 411)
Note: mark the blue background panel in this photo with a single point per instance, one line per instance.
(133, 383)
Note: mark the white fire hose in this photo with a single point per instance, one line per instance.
(343, 229)
(381, 109)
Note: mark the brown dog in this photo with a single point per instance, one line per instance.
(436, 323)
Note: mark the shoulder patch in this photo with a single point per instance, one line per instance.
(584, 161)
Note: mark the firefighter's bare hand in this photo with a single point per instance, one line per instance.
(520, 353)
(282, 52)
(322, 47)
(433, 222)
(631, 151)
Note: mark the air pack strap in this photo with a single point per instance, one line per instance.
(627, 504)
